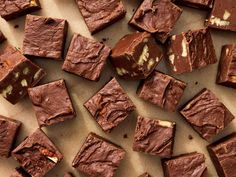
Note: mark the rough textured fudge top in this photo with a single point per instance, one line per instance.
(145, 175)
(2, 37)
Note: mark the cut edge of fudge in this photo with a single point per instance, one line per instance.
(197, 5)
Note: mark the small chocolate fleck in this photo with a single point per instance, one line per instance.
(133, 10)
(125, 136)
(196, 83)
(190, 137)
(16, 26)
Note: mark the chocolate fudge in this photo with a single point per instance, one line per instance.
(17, 74)
(223, 155)
(10, 9)
(98, 157)
(68, 175)
(199, 4)
(44, 37)
(191, 50)
(110, 106)
(19, 172)
(157, 17)
(162, 90)
(52, 103)
(186, 165)
(206, 114)
(37, 155)
(86, 57)
(145, 175)
(2, 37)
(227, 67)
(136, 55)
(8, 132)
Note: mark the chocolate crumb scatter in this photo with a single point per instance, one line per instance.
(125, 136)
(190, 137)
(16, 26)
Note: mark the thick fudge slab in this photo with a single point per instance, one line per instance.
(110, 106)
(136, 55)
(17, 74)
(199, 4)
(223, 155)
(19, 172)
(145, 175)
(206, 114)
(44, 37)
(8, 132)
(68, 175)
(10, 9)
(227, 67)
(37, 155)
(147, 17)
(52, 103)
(162, 90)
(86, 57)
(2, 37)
(186, 165)
(191, 50)
(98, 157)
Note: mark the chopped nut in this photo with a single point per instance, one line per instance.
(227, 51)
(165, 123)
(144, 56)
(150, 64)
(172, 58)
(7, 91)
(219, 22)
(54, 159)
(37, 74)
(33, 3)
(173, 37)
(26, 71)
(184, 48)
(121, 71)
(24, 83)
(233, 79)
(226, 15)
(17, 74)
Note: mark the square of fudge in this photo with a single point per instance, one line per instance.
(37, 155)
(110, 106)
(52, 103)
(17, 74)
(136, 55)
(187, 165)
(145, 175)
(207, 115)
(191, 50)
(86, 57)
(8, 132)
(2, 37)
(227, 67)
(199, 4)
(162, 90)
(154, 137)
(98, 157)
(223, 155)
(44, 37)
(100, 14)
(10, 9)
(19, 172)
(157, 17)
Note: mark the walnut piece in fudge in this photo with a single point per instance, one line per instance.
(199, 4)
(2, 37)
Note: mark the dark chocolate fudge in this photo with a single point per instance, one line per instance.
(100, 14)
(199, 4)
(68, 175)
(162, 90)
(37, 155)
(2, 37)
(17, 74)
(136, 55)
(98, 157)
(110, 106)
(145, 175)
(206, 114)
(44, 37)
(8, 132)
(223, 155)
(52, 103)
(157, 17)
(191, 50)
(86, 57)
(20, 172)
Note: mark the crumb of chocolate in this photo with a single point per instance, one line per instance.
(16, 26)
(133, 10)
(196, 82)
(125, 136)
(190, 137)
(104, 39)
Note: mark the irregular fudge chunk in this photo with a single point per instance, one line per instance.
(86, 57)
(2, 37)
(162, 90)
(145, 175)
(68, 175)
(157, 17)
(19, 172)
(110, 106)
(199, 4)
(136, 55)
(37, 155)
(223, 155)
(52, 103)
(44, 37)
(17, 74)
(191, 50)
(98, 157)
(206, 114)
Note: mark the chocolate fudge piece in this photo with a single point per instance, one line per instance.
(37, 155)
(86, 57)
(17, 74)
(100, 14)
(52, 103)
(145, 175)
(44, 37)
(136, 55)
(2, 37)
(191, 50)
(98, 157)
(157, 17)
(10, 9)
(227, 67)
(19, 172)
(186, 165)
(206, 114)
(110, 106)
(8, 132)
(162, 90)
(68, 175)
(155, 137)
(223, 155)
(199, 4)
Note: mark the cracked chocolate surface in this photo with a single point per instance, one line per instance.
(2, 37)
(145, 175)
(199, 4)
